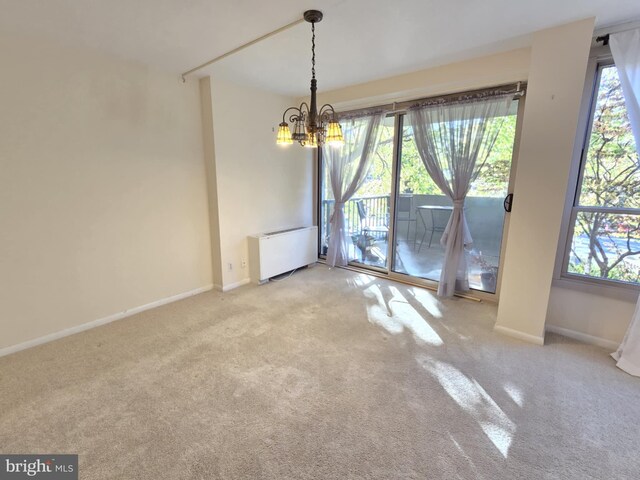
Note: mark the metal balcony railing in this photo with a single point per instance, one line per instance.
(376, 206)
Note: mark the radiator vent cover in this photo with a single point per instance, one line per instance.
(277, 252)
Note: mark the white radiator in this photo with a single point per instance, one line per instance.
(273, 253)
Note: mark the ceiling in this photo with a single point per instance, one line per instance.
(358, 40)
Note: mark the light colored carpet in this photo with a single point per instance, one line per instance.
(328, 374)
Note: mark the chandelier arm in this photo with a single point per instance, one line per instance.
(291, 108)
(306, 107)
(327, 112)
(329, 107)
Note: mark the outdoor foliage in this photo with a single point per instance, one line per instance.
(606, 244)
(492, 181)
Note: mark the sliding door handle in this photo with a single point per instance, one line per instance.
(508, 203)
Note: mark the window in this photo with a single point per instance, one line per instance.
(604, 241)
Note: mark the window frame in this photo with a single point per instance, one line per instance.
(600, 58)
(398, 110)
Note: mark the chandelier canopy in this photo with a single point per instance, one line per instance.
(310, 126)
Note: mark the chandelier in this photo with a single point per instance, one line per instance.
(310, 126)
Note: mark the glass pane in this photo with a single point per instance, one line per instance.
(611, 175)
(607, 246)
(326, 208)
(423, 212)
(367, 212)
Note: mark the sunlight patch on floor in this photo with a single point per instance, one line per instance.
(361, 280)
(428, 301)
(514, 392)
(396, 314)
(474, 400)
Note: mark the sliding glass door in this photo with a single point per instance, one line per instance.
(368, 212)
(422, 212)
(396, 219)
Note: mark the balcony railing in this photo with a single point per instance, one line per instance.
(377, 208)
(485, 216)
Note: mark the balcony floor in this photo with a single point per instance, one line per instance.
(420, 261)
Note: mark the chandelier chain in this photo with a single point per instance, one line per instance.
(313, 50)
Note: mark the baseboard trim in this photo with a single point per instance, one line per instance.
(519, 335)
(583, 337)
(101, 321)
(231, 286)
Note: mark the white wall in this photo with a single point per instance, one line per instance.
(489, 71)
(212, 180)
(103, 201)
(260, 186)
(554, 93)
(591, 316)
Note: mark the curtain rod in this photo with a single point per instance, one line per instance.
(241, 47)
(625, 27)
(518, 89)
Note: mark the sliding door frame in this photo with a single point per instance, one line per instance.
(511, 189)
(398, 111)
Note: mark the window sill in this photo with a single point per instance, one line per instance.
(627, 293)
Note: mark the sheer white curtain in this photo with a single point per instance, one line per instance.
(625, 47)
(348, 167)
(454, 142)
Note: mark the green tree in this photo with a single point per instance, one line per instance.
(611, 178)
(492, 181)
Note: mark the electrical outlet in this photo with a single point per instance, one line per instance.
(230, 266)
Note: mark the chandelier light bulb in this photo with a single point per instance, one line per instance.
(311, 141)
(334, 134)
(284, 134)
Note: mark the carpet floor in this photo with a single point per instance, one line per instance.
(328, 374)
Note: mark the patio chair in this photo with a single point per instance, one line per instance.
(439, 216)
(372, 224)
(403, 214)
